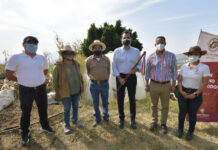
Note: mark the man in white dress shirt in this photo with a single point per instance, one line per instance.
(125, 58)
(30, 69)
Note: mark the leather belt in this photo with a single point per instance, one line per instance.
(99, 81)
(36, 87)
(189, 89)
(164, 82)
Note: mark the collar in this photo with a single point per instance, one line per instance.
(36, 56)
(122, 47)
(164, 52)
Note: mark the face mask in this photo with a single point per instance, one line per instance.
(160, 47)
(97, 53)
(193, 58)
(31, 48)
(68, 57)
(126, 42)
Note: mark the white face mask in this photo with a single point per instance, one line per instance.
(193, 58)
(160, 47)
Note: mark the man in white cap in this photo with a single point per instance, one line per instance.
(98, 69)
(30, 69)
(68, 85)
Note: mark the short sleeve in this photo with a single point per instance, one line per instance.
(181, 70)
(206, 71)
(45, 65)
(12, 63)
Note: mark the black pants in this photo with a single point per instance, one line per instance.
(131, 87)
(189, 106)
(27, 95)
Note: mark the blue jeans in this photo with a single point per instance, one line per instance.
(67, 102)
(96, 90)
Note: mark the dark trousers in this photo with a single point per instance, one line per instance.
(27, 96)
(131, 87)
(189, 106)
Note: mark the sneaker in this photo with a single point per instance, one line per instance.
(189, 136)
(179, 133)
(49, 130)
(95, 123)
(78, 125)
(164, 129)
(153, 127)
(67, 130)
(121, 124)
(25, 139)
(133, 125)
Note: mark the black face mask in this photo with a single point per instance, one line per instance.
(126, 42)
(97, 53)
(68, 57)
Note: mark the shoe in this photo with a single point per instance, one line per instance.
(78, 125)
(67, 130)
(153, 127)
(189, 136)
(179, 133)
(25, 139)
(121, 124)
(49, 130)
(95, 123)
(164, 129)
(133, 125)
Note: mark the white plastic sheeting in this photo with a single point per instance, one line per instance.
(6, 98)
(140, 89)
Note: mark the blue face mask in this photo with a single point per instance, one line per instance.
(31, 48)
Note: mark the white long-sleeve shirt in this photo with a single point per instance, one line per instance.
(124, 60)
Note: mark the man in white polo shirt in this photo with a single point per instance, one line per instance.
(30, 69)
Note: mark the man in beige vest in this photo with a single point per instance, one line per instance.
(68, 85)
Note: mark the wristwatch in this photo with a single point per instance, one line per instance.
(195, 94)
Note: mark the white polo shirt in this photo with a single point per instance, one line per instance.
(30, 71)
(192, 77)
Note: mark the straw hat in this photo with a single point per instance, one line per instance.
(195, 49)
(97, 42)
(66, 48)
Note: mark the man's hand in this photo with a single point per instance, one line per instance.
(133, 71)
(147, 88)
(121, 80)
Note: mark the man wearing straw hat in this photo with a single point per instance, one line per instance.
(30, 69)
(98, 70)
(68, 85)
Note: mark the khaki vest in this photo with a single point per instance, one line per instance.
(63, 89)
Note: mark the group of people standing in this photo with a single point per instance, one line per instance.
(161, 76)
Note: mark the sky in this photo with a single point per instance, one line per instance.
(180, 21)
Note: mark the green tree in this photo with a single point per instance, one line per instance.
(110, 35)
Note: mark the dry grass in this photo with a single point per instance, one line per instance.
(107, 136)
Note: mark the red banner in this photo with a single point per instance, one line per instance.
(208, 112)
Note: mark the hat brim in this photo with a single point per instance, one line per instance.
(203, 52)
(63, 50)
(97, 43)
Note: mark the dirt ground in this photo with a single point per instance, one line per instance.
(105, 136)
